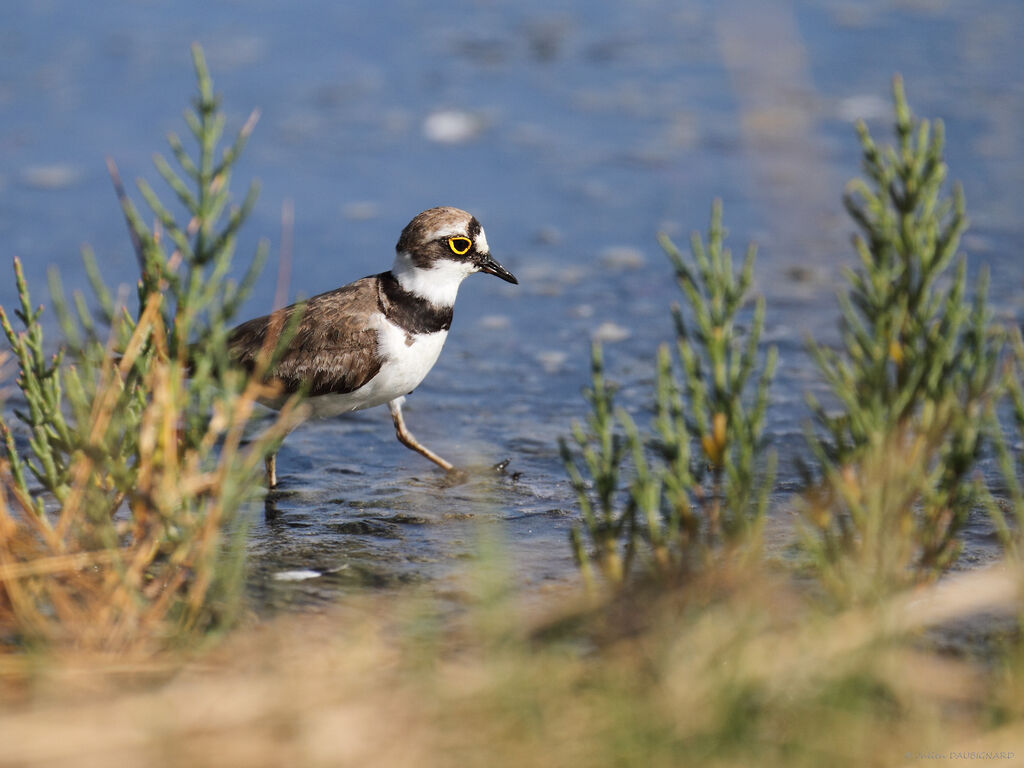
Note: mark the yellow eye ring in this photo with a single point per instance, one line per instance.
(460, 245)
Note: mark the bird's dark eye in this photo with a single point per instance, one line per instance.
(460, 245)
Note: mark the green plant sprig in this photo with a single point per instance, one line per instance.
(699, 478)
(918, 358)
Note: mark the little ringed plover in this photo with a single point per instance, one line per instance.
(373, 341)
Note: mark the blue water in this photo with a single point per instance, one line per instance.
(585, 129)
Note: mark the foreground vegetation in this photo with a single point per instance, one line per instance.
(118, 512)
(736, 670)
(120, 493)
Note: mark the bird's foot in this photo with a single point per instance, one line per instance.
(455, 476)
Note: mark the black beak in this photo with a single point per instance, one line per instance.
(491, 267)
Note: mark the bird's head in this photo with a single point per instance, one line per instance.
(438, 249)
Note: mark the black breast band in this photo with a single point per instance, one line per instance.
(410, 312)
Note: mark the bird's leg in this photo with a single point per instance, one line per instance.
(406, 438)
(271, 464)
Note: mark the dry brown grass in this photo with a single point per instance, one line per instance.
(740, 671)
(74, 578)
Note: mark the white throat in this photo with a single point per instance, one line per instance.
(438, 284)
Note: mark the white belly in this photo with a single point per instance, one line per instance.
(405, 366)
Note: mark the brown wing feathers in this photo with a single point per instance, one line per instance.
(332, 352)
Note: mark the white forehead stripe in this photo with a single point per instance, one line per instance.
(481, 242)
(447, 230)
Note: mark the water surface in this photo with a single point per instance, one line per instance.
(575, 132)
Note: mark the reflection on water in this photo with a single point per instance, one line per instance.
(575, 132)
